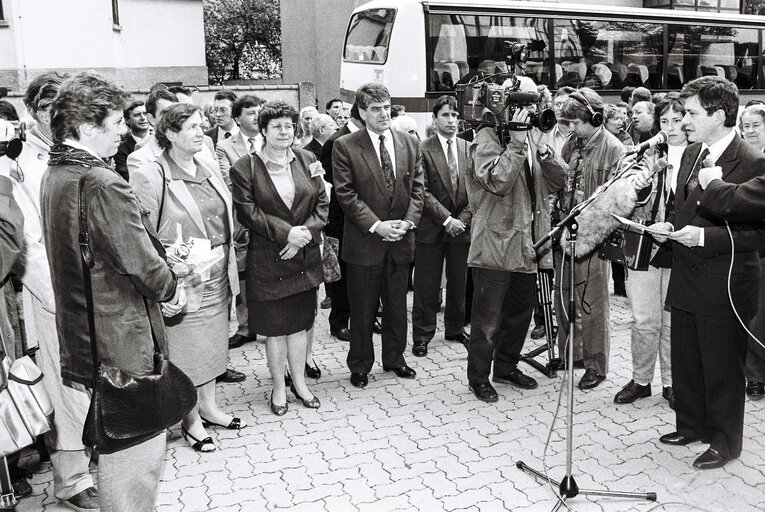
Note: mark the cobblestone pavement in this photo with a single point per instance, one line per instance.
(428, 444)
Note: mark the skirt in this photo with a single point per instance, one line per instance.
(198, 342)
(281, 317)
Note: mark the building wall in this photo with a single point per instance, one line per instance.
(157, 40)
(313, 32)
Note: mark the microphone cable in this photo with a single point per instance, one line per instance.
(730, 294)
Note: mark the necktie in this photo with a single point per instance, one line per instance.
(252, 140)
(387, 167)
(227, 135)
(693, 179)
(452, 161)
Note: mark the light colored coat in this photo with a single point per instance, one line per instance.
(179, 203)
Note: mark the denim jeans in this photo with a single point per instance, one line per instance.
(646, 291)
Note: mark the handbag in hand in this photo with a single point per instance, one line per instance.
(330, 260)
(127, 409)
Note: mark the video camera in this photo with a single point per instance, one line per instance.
(13, 146)
(483, 101)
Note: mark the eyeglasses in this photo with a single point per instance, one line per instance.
(279, 127)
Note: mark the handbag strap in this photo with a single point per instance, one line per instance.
(7, 497)
(87, 263)
(659, 196)
(162, 197)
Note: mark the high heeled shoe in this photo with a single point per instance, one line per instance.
(279, 410)
(312, 372)
(313, 403)
(198, 445)
(235, 424)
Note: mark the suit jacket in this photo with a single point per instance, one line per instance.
(228, 152)
(213, 134)
(736, 202)
(314, 147)
(126, 147)
(336, 219)
(699, 279)
(260, 208)
(179, 204)
(441, 200)
(361, 192)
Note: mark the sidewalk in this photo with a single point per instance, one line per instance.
(428, 444)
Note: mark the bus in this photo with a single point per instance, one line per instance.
(420, 49)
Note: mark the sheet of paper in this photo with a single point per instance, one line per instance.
(640, 227)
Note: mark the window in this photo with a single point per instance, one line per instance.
(608, 55)
(462, 46)
(116, 13)
(369, 35)
(695, 51)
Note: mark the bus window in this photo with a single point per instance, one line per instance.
(727, 52)
(369, 35)
(461, 46)
(608, 55)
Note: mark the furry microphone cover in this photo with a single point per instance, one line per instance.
(596, 222)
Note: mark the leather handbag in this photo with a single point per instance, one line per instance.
(329, 259)
(26, 410)
(127, 409)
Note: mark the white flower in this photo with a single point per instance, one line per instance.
(316, 169)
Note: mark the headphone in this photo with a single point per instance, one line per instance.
(596, 118)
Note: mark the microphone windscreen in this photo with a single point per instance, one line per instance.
(660, 165)
(662, 137)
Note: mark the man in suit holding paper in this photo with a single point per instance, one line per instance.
(379, 185)
(708, 343)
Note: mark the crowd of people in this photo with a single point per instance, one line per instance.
(214, 227)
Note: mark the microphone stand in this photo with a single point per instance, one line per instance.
(567, 488)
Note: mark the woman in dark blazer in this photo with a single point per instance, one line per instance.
(280, 198)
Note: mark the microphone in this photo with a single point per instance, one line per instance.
(659, 138)
(660, 165)
(708, 162)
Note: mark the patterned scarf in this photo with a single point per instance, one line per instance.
(63, 154)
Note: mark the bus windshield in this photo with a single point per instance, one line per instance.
(597, 54)
(369, 35)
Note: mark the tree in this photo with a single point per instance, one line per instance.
(242, 39)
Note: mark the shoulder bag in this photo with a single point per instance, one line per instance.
(128, 409)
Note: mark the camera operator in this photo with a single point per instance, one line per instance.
(591, 153)
(508, 190)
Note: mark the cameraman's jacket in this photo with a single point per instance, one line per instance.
(502, 237)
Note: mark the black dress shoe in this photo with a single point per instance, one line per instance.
(326, 303)
(538, 332)
(377, 327)
(312, 372)
(590, 379)
(279, 410)
(677, 439)
(669, 395)
(343, 334)
(484, 391)
(359, 380)
(231, 375)
(237, 340)
(631, 392)
(712, 458)
(515, 378)
(403, 372)
(755, 390)
(460, 338)
(420, 348)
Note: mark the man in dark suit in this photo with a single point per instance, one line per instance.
(137, 121)
(340, 312)
(444, 233)
(708, 343)
(379, 185)
(222, 109)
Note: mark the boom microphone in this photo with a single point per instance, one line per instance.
(659, 138)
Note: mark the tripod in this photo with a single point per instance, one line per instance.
(567, 487)
(545, 300)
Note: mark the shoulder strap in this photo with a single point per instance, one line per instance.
(659, 195)
(164, 192)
